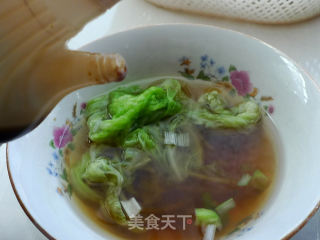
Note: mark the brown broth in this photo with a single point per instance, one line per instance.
(254, 148)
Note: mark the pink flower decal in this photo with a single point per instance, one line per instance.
(62, 136)
(271, 109)
(83, 105)
(241, 81)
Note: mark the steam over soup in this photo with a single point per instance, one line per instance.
(174, 159)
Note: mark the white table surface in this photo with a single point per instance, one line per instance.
(299, 41)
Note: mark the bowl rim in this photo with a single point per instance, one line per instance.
(29, 215)
(287, 236)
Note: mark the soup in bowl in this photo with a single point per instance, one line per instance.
(207, 138)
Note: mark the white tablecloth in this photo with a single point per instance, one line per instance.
(300, 41)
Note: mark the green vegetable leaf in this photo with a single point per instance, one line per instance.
(102, 174)
(141, 139)
(131, 108)
(214, 102)
(220, 116)
(101, 170)
(134, 159)
(175, 161)
(113, 206)
(79, 185)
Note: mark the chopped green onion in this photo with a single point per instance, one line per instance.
(259, 181)
(177, 139)
(244, 180)
(225, 207)
(206, 217)
(209, 232)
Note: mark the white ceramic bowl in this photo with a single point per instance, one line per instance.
(34, 161)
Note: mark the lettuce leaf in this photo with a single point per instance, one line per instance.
(213, 112)
(128, 108)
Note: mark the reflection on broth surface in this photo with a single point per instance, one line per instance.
(225, 170)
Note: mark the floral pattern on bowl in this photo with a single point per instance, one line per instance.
(238, 81)
(61, 143)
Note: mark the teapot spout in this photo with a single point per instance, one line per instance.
(36, 69)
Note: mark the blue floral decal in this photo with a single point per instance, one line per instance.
(62, 143)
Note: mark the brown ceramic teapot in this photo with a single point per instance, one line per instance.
(36, 69)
